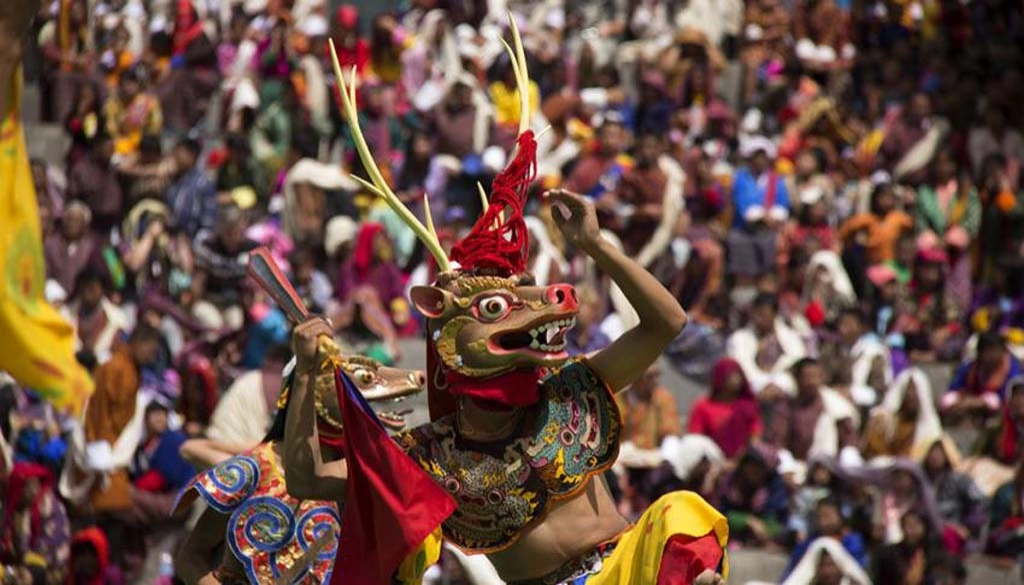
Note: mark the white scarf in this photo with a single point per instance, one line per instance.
(807, 569)
(864, 353)
(928, 427)
(671, 208)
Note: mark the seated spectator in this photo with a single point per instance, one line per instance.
(192, 196)
(766, 349)
(110, 409)
(1002, 440)
(223, 256)
(460, 121)
(949, 201)
(810, 232)
(600, 172)
(856, 361)
(243, 413)
(132, 112)
(730, 414)
(828, 523)
(313, 287)
(649, 411)
(876, 232)
(903, 262)
(156, 256)
(94, 181)
(636, 204)
(911, 559)
(372, 270)
(98, 322)
(902, 487)
(239, 169)
(90, 562)
(825, 480)
(961, 504)
(70, 249)
(905, 418)
(999, 307)
(158, 466)
(927, 316)
(827, 562)
(816, 420)
(979, 387)
(696, 463)
(754, 498)
(148, 175)
(35, 522)
(1005, 536)
(827, 289)
(761, 209)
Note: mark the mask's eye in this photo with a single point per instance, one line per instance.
(363, 376)
(492, 308)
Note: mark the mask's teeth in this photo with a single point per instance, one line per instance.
(535, 344)
(551, 333)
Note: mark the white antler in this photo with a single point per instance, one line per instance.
(377, 184)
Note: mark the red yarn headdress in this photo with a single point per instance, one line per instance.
(499, 240)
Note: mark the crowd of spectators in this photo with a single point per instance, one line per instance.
(830, 188)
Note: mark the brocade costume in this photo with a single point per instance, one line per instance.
(504, 488)
(268, 531)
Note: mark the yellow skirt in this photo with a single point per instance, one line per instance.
(637, 557)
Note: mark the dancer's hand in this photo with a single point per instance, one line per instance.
(305, 340)
(580, 227)
(709, 577)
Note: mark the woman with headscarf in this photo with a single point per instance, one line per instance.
(906, 417)
(371, 271)
(90, 560)
(696, 462)
(35, 523)
(902, 487)
(827, 288)
(826, 562)
(962, 505)
(730, 414)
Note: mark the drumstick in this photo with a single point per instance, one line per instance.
(266, 273)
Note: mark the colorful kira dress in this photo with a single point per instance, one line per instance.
(269, 532)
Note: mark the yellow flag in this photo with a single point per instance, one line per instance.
(36, 343)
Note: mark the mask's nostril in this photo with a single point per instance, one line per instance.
(560, 296)
(574, 296)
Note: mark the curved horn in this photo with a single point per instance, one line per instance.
(517, 57)
(377, 184)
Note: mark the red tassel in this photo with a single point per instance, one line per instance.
(507, 248)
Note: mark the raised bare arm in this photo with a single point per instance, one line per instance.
(307, 475)
(661, 317)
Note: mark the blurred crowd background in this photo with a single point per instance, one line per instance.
(831, 188)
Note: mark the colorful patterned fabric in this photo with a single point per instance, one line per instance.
(504, 488)
(268, 530)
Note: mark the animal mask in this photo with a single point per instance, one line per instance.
(489, 328)
(379, 384)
